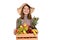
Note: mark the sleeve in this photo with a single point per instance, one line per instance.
(17, 24)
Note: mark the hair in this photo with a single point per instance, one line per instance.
(28, 15)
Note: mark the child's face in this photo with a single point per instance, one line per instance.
(26, 10)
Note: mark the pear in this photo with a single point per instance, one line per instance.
(24, 32)
(21, 26)
(20, 29)
(24, 24)
(25, 27)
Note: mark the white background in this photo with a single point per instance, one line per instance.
(47, 10)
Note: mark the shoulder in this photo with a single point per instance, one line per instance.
(18, 19)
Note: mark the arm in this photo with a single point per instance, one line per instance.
(18, 23)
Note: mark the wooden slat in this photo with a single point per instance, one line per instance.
(26, 35)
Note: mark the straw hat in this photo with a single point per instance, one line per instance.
(20, 9)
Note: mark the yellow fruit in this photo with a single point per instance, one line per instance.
(24, 32)
(21, 26)
(25, 24)
(34, 32)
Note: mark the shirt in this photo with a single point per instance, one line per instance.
(26, 20)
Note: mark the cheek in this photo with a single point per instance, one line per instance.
(27, 11)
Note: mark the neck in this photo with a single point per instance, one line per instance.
(25, 16)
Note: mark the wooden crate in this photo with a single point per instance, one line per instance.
(26, 37)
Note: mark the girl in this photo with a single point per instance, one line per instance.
(25, 11)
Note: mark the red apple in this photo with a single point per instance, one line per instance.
(29, 31)
(17, 30)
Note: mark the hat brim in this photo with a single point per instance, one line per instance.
(20, 9)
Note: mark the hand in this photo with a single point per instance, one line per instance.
(14, 31)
